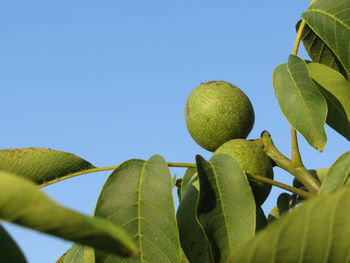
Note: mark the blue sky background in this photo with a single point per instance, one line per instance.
(108, 81)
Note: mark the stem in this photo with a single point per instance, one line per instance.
(299, 172)
(106, 168)
(296, 158)
(298, 37)
(93, 170)
(281, 185)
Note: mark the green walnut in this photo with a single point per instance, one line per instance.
(253, 160)
(216, 112)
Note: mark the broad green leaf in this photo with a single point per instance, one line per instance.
(316, 231)
(41, 165)
(329, 19)
(22, 203)
(300, 101)
(338, 175)
(261, 221)
(226, 207)
(318, 50)
(336, 90)
(194, 242)
(9, 251)
(138, 197)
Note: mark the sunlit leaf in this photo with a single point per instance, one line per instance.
(22, 203)
(138, 197)
(330, 21)
(194, 242)
(78, 254)
(336, 90)
(9, 251)
(316, 231)
(300, 101)
(338, 175)
(226, 207)
(319, 51)
(40, 164)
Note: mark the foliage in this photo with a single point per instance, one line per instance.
(217, 219)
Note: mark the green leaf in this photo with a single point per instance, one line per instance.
(330, 21)
(189, 175)
(78, 254)
(338, 175)
(300, 101)
(138, 197)
(336, 90)
(317, 231)
(226, 207)
(318, 50)
(193, 239)
(261, 221)
(283, 203)
(273, 215)
(41, 165)
(22, 203)
(9, 251)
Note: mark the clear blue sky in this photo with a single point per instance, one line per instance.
(108, 81)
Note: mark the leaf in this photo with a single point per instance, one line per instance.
(317, 231)
(338, 175)
(330, 21)
(261, 221)
(336, 90)
(300, 101)
(226, 207)
(9, 250)
(189, 175)
(318, 50)
(193, 239)
(41, 165)
(273, 215)
(138, 197)
(22, 203)
(79, 254)
(283, 203)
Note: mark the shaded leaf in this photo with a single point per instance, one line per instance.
(318, 50)
(193, 239)
(317, 231)
(225, 198)
(300, 101)
(336, 90)
(9, 250)
(41, 165)
(261, 221)
(338, 175)
(187, 178)
(273, 215)
(283, 203)
(138, 197)
(330, 21)
(22, 203)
